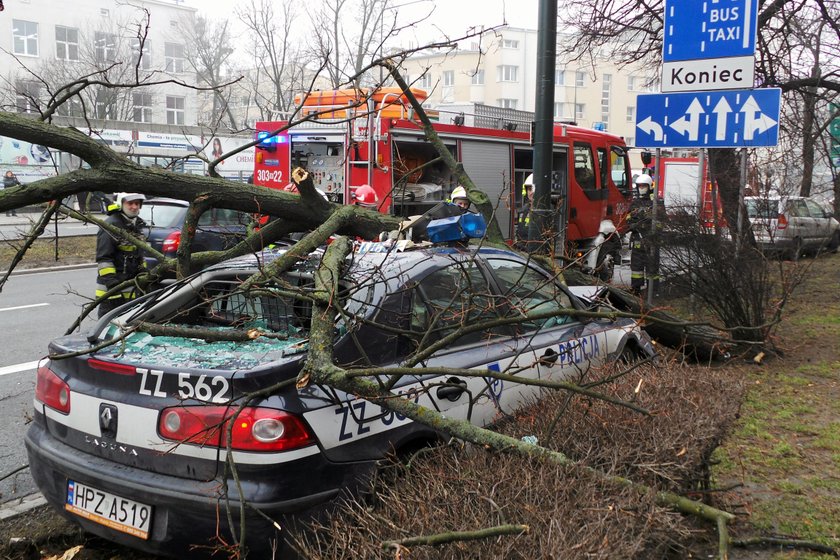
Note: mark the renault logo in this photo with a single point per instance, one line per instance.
(108, 420)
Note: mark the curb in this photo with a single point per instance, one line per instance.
(18, 506)
(60, 268)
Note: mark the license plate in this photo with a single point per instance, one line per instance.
(109, 509)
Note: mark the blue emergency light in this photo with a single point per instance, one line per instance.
(457, 228)
(269, 142)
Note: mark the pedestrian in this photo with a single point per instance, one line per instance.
(117, 258)
(644, 247)
(9, 181)
(523, 215)
(459, 198)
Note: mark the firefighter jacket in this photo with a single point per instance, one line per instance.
(117, 259)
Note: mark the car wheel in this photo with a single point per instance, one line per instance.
(835, 242)
(608, 254)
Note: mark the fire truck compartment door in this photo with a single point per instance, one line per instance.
(488, 165)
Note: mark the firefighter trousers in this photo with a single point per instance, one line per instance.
(644, 264)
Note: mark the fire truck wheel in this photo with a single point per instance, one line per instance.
(608, 256)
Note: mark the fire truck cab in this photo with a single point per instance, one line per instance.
(360, 137)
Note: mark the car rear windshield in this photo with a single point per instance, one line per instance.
(762, 208)
(163, 215)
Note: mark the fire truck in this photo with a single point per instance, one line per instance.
(679, 186)
(374, 138)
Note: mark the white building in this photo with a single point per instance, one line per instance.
(502, 71)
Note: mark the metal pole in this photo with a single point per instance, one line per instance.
(652, 252)
(741, 188)
(540, 220)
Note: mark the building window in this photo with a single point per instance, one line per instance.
(26, 96)
(66, 43)
(105, 46)
(449, 78)
(104, 12)
(559, 78)
(580, 79)
(145, 61)
(558, 110)
(142, 107)
(579, 109)
(606, 86)
(174, 110)
(510, 44)
(631, 114)
(632, 83)
(104, 107)
(507, 103)
(174, 56)
(478, 78)
(630, 141)
(426, 80)
(25, 37)
(507, 73)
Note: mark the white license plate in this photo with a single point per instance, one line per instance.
(109, 509)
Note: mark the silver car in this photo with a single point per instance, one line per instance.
(791, 225)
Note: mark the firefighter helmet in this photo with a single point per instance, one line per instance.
(365, 196)
(643, 184)
(129, 197)
(529, 182)
(459, 197)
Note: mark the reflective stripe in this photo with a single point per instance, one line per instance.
(637, 275)
(126, 247)
(106, 271)
(100, 293)
(105, 264)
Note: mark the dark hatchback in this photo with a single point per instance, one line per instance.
(218, 228)
(127, 441)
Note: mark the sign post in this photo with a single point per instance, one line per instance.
(834, 130)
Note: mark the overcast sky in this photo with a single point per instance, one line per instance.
(452, 17)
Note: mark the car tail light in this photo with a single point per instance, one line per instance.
(254, 428)
(170, 244)
(52, 391)
(112, 367)
(781, 222)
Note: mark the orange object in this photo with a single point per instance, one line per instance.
(391, 102)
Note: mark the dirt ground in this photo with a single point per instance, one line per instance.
(778, 470)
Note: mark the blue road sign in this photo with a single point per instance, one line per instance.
(698, 29)
(710, 119)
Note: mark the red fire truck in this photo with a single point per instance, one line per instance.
(373, 138)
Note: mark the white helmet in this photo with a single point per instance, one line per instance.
(129, 197)
(459, 192)
(643, 184)
(529, 181)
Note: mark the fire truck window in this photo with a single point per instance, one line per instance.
(603, 167)
(619, 169)
(585, 167)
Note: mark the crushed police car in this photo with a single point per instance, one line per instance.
(135, 442)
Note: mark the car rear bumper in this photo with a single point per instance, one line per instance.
(186, 512)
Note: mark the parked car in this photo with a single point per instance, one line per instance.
(130, 441)
(218, 228)
(790, 226)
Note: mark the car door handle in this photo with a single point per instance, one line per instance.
(549, 357)
(452, 390)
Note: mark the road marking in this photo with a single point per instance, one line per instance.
(23, 306)
(16, 368)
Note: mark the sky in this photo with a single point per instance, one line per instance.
(449, 17)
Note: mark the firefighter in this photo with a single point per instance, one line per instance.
(118, 259)
(459, 198)
(365, 197)
(644, 250)
(523, 216)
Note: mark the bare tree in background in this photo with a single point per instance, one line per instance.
(209, 47)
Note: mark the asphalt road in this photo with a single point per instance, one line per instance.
(34, 309)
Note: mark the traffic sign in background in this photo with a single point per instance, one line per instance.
(709, 45)
(698, 29)
(834, 130)
(711, 119)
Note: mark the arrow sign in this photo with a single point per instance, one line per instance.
(711, 119)
(721, 111)
(755, 120)
(689, 124)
